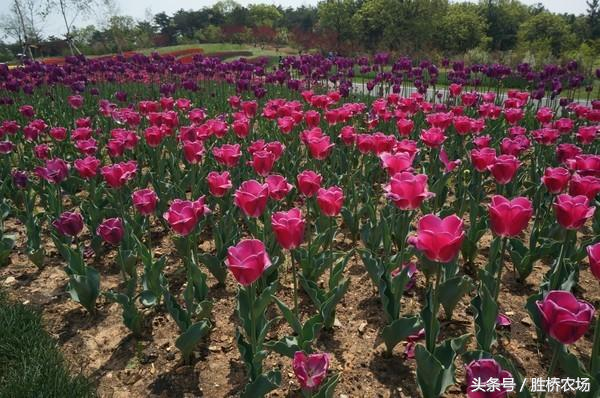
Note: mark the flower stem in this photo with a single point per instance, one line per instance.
(295, 280)
(595, 359)
(555, 351)
(500, 267)
(253, 343)
(432, 337)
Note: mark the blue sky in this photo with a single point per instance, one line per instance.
(139, 8)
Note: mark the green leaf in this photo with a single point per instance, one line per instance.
(286, 346)
(452, 290)
(262, 385)
(327, 389)
(399, 330)
(433, 378)
(37, 257)
(485, 309)
(289, 316)
(188, 340)
(215, 266)
(85, 288)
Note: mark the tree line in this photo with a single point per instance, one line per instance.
(488, 30)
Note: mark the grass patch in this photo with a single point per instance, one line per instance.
(30, 363)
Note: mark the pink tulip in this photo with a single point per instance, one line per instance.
(439, 239)
(407, 191)
(278, 186)
(593, 252)
(483, 158)
(397, 162)
(433, 137)
(310, 370)
(262, 162)
(144, 201)
(288, 228)
(218, 183)
(309, 182)
(509, 217)
(247, 261)
(504, 168)
(564, 317)
(69, 223)
(556, 179)
(572, 211)
(251, 197)
(330, 200)
(483, 371)
(227, 154)
(55, 171)
(119, 174)
(111, 231)
(589, 186)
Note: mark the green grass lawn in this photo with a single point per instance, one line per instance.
(30, 363)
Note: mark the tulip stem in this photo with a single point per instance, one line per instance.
(500, 267)
(595, 359)
(555, 352)
(251, 297)
(295, 281)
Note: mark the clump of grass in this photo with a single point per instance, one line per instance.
(30, 363)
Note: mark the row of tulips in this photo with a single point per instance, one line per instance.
(272, 184)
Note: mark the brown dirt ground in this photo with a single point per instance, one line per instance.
(101, 347)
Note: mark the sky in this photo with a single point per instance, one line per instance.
(140, 8)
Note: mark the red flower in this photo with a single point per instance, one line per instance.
(509, 217)
(309, 182)
(183, 215)
(278, 186)
(87, 167)
(288, 228)
(330, 200)
(227, 154)
(247, 261)
(407, 191)
(69, 223)
(397, 162)
(564, 317)
(193, 151)
(262, 162)
(589, 186)
(252, 198)
(119, 174)
(433, 137)
(593, 252)
(572, 211)
(320, 147)
(55, 171)
(218, 183)
(504, 168)
(310, 370)
(556, 179)
(111, 231)
(439, 239)
(484, 371)
(144, 201)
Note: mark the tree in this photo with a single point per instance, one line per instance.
(593, 17)
(166, 27)
(503, 18)
(546, 30)
(461, 29)
(70, 11)
(23, 23)
(335, 16)
(264, 15)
